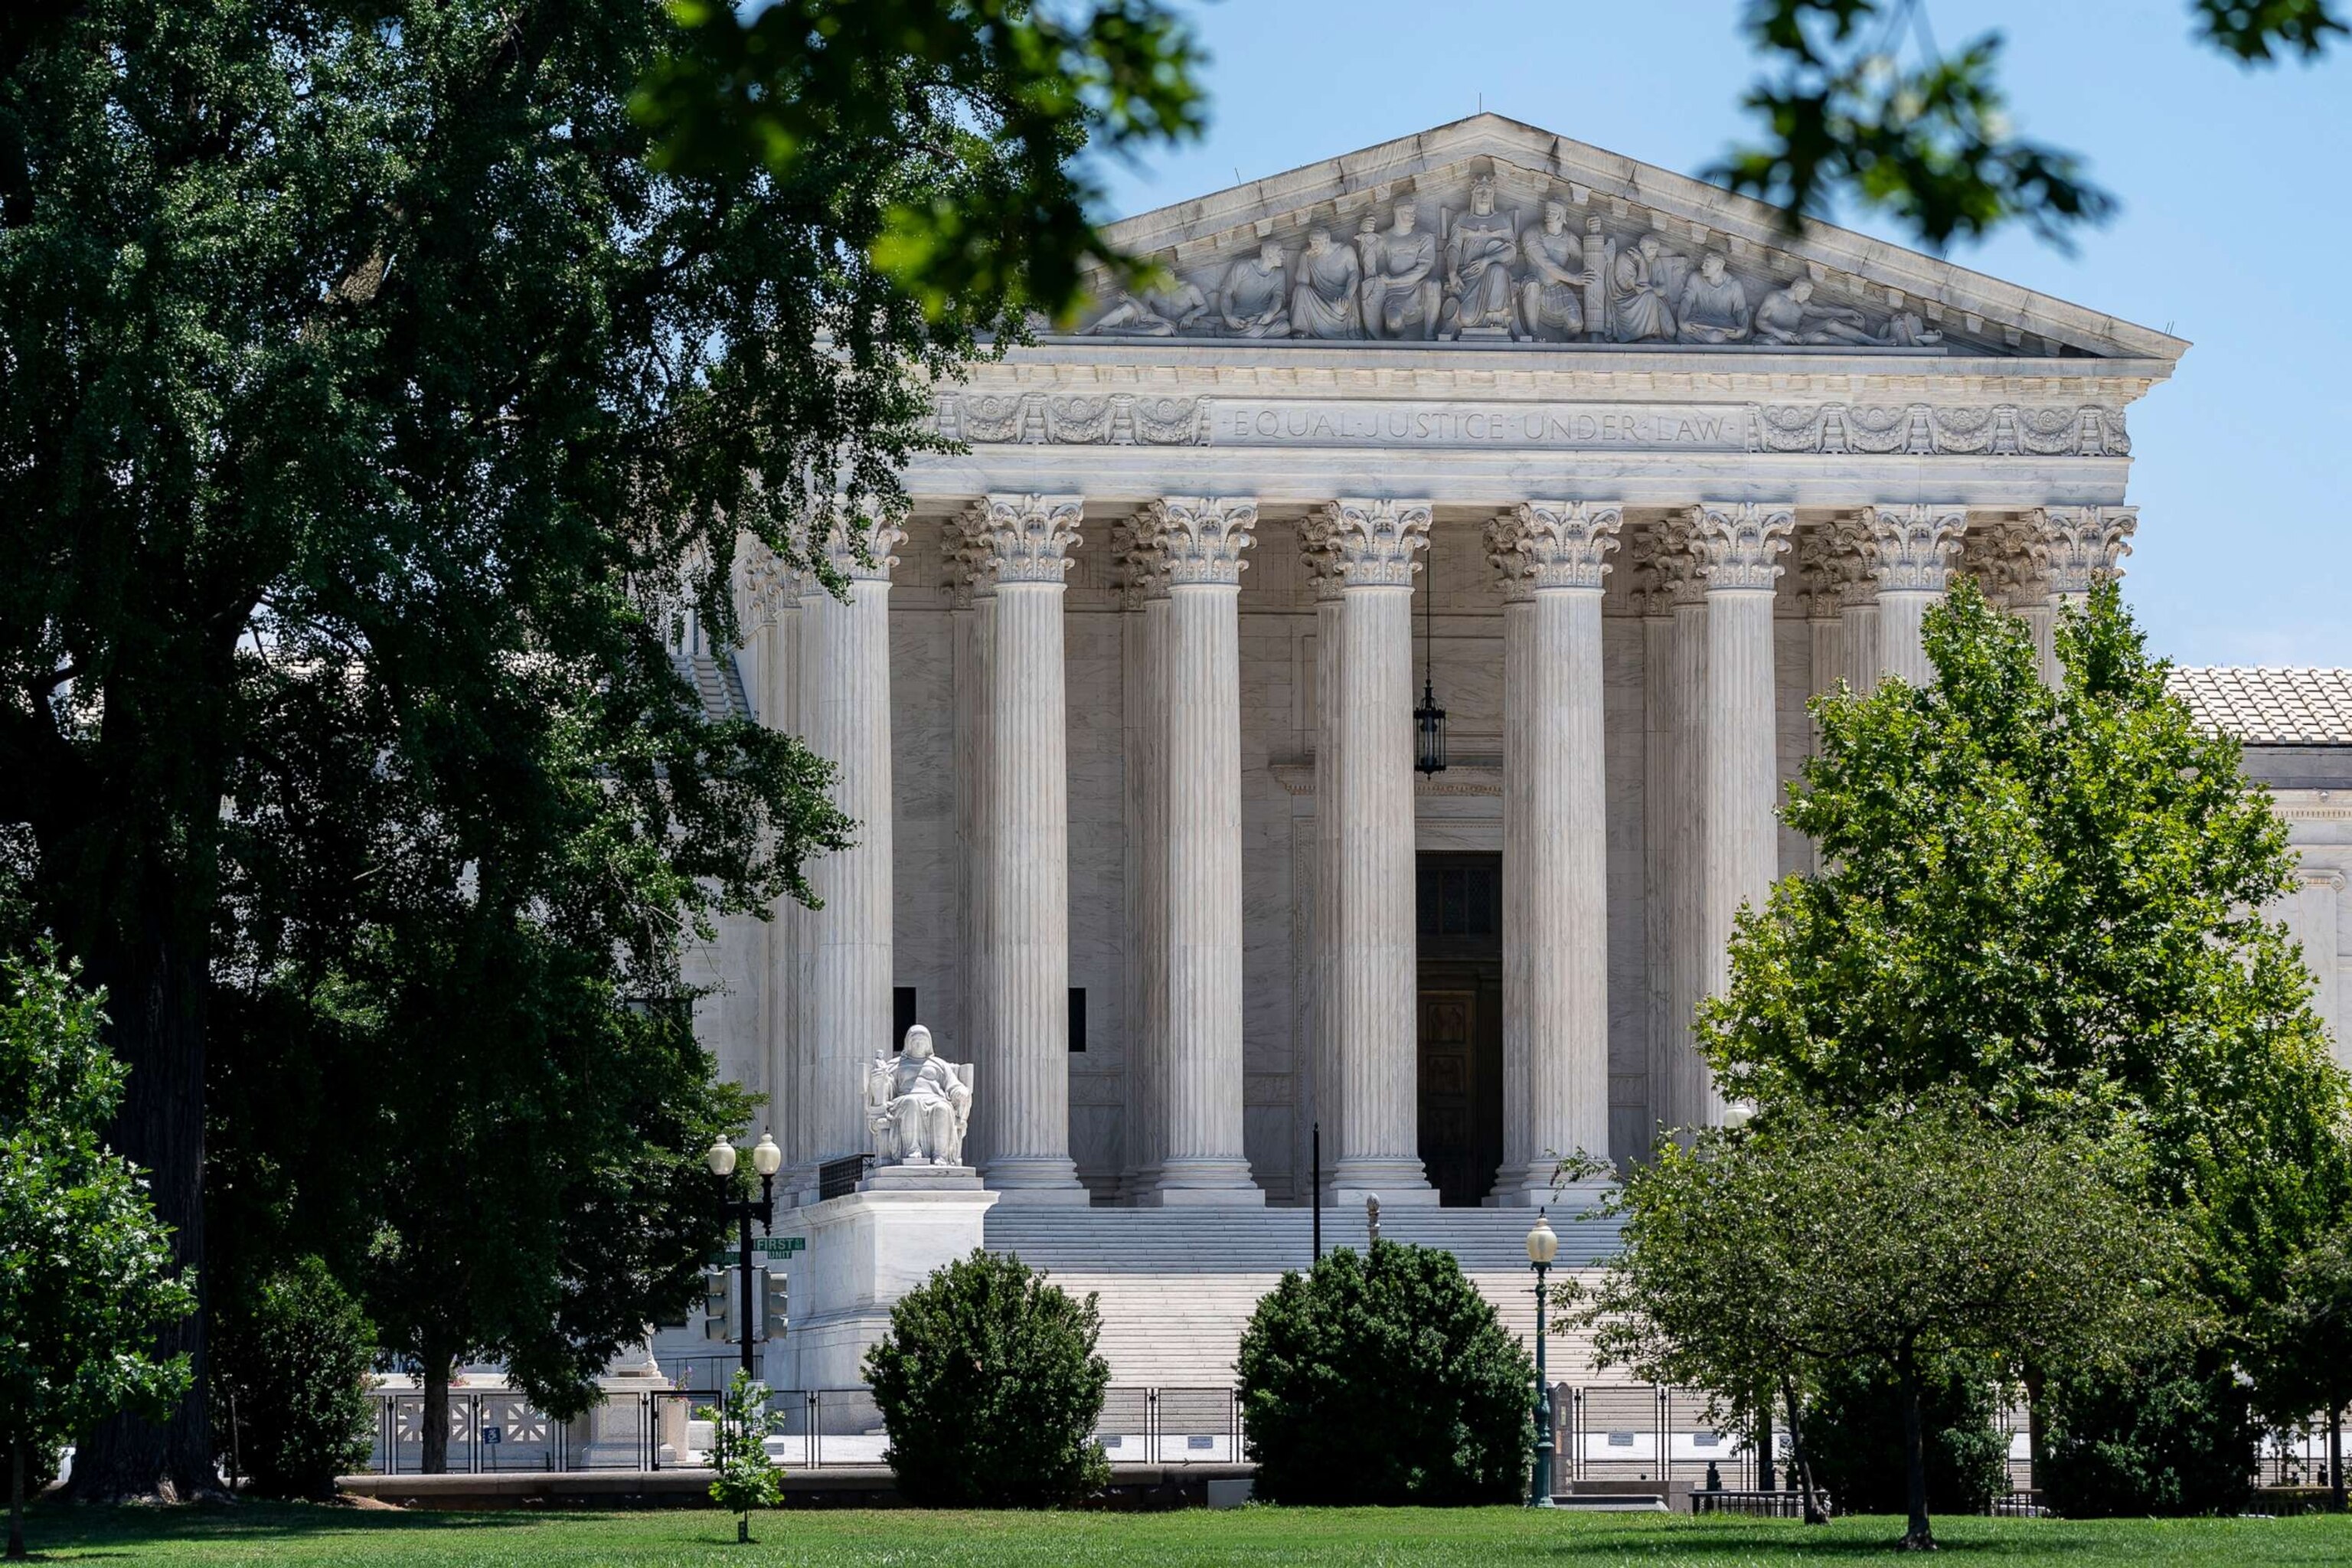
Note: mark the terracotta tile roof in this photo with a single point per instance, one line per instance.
(2265, 707)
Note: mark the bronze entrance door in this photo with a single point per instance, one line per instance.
(1460, 1023)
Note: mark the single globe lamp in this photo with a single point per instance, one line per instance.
(766, 1157)
(1543, 1242)
(720, 1158)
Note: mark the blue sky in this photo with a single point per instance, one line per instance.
(2236, 223)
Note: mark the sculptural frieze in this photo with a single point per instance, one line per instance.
(917, 1106)
(1475, 266)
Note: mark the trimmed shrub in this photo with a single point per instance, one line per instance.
(1853, 1438)
(990, 1389)
(2175, 1437)
(289, 1379)
(1385, 1378)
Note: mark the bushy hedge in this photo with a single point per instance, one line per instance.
(1855, 1440)
(2174, 1436)
(291, 1371)
(990, 1389)
(1385, 1378)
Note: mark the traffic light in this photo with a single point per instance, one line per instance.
(717, 1306)
(775, 1304)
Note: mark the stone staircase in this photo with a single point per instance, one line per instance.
(1176, 1287)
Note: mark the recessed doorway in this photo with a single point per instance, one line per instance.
(1459, 1048)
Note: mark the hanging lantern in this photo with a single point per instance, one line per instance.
(1429, 727)
(1429, 719)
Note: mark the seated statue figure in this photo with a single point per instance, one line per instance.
(1640, 306)
(1479, 254)
(1552, 298)
(1323, 302)
(1254, 301)
(918, 1105)
(1401, 296)
(1183, 303)
(1713, 307)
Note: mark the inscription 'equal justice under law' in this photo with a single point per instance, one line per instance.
(1683, 426)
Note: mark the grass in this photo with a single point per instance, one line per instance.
(1392, 1538)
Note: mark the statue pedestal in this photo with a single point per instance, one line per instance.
(864, 1253)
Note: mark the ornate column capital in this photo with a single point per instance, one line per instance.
(1911, 547)
(1564, 543)
(860, 547)
(1738, 542)
(2003, 560)
(1027, 539)
(1202, 538)
(2081, 545)
(1824, 567)
(766, 585)
(1141, 562)
(1372, 541)
(1507, 556)
(969, 577)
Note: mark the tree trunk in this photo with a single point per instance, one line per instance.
(2336, 1456)
(17, 1501)
(154, 967)
(1804, 1465)
(1918, 1537)
(437, 1366)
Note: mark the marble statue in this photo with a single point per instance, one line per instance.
(1183, 303)
(1479, 255)
(1639, 307)
(1791, 315)
(1551, 296)
(918, 1105)
(1323, 302)
(1712, 307)
(1254, 301)
(1401, 296)
(1129, 316)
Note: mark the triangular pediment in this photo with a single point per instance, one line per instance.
(1863, 291)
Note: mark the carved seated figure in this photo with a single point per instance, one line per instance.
(1254, 301)
(1479, 255)
(1552, 298)
(1401, 296)
(1713, 307)
(1323, 302)
(917, 1106)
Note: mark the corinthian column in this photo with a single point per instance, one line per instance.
(1504, 552)
(1330, 687)
(1029, 539)
(972, 621)
(1857, 592)
(1143, 573)
(1200, 1156)
(2078, 546)
(845, 708)
(1373, 544)
(1739, 546)
(1911, 551)
(1554, 828)
(773, 613)
(1681, 1093)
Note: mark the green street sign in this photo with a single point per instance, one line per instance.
(763, 1246)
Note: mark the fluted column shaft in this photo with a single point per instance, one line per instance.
(1330, 681)
(1660, 830)
(1555, 826)
(1518, 699)
(1375, 541)
(1911, 549)
(1680, 1092)
(779, 710)
(974, 624)
(1737, 546)
(1146, 588)
(845, 708)
(1202, 1158)
(1028, 921)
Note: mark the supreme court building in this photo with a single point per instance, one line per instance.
(1605, 461)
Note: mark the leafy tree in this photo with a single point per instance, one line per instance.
(291, 1368)
(86, 1278)
(1929, 138)
(374, 405)
(1384, 1377)
(2048, 901)
(2172, 1433)
(990, 1388)
(2304, 1347)
(1910, 1241)
(1854, 1431)
(747, 1477)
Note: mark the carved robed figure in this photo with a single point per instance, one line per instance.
(918, 1105)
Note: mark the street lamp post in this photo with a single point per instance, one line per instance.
(767, 1160)
(1543, 1246)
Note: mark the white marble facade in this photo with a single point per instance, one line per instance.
(1483, 397)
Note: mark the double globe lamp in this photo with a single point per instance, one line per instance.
(767, 1160)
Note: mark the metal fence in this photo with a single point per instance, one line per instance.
(495, 1430)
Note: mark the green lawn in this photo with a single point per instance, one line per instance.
(1399, 1538)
